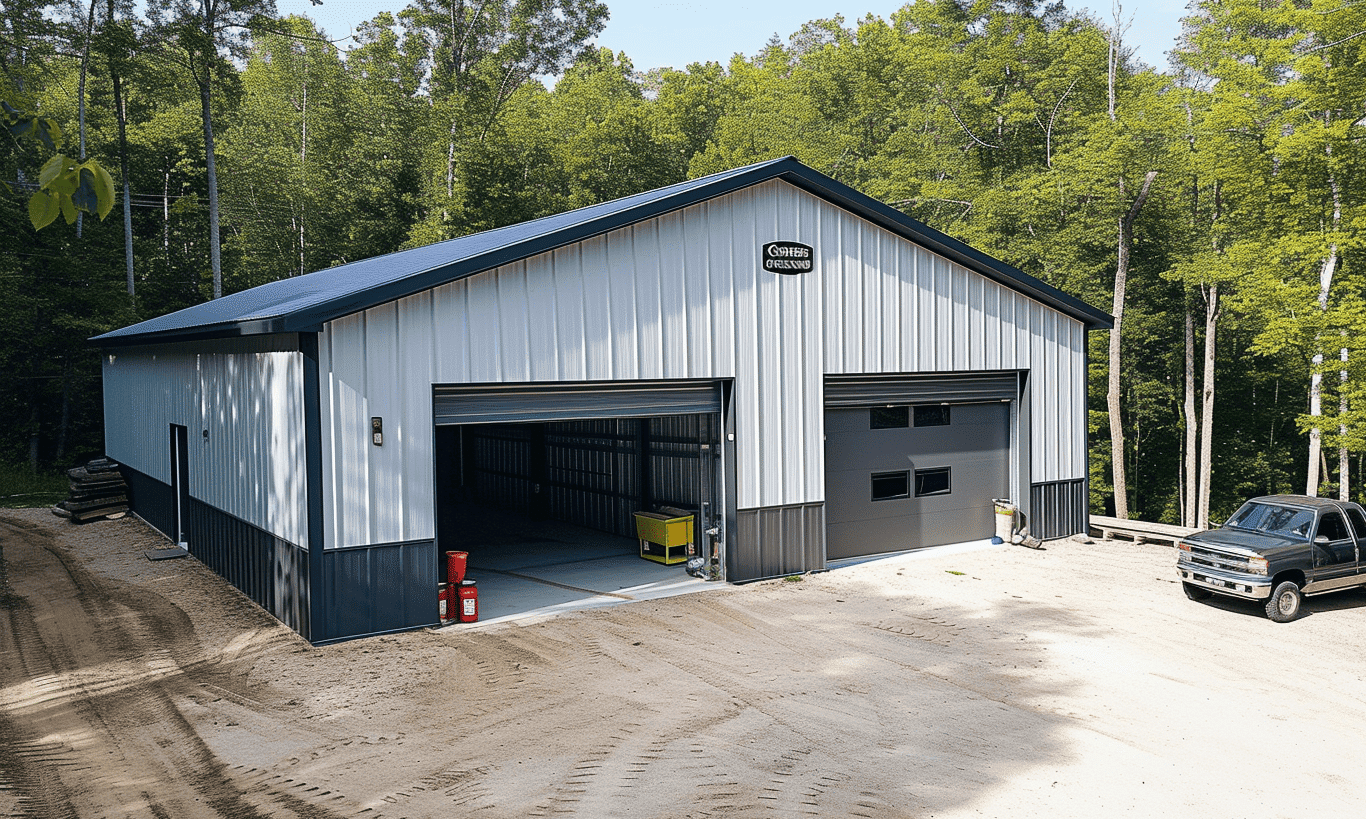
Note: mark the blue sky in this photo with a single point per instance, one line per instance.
(673, 33)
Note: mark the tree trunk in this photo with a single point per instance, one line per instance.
(1126, 242)
(1344, 483)
(1110, 61)
(121, 113)
(1344, 460)
(80, 98)
(1207, 411)
(1311, 481)
(33, 436)
(209, 57)
(1188, 506)
(1326, 272)
(166, 215)
(211, 167)
(303, 170)
(60, 455)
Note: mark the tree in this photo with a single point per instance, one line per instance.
(477, 57)
(203, 36)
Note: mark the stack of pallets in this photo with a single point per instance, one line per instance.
(97, 491)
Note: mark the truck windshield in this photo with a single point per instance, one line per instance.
(1277, 520)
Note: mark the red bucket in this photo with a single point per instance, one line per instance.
(455, 567)
(467, 610)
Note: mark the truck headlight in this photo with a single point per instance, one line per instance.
(1183, 552)
(1256, 565)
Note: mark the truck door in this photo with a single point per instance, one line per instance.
(1335, 562)
(1358, 522)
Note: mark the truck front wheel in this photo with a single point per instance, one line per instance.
(1284, 603)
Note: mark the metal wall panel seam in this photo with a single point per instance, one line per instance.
(812, 484)
(976, 324)
(889, 273)
(872, 299)
(1054, 441)
(961, 327)
(327, 404)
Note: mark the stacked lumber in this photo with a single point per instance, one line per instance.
(97, 491)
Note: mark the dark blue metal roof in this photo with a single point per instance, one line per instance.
(303, 303)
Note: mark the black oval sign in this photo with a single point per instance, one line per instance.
(788, 257)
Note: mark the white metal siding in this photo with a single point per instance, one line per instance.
(682, 296)
(252, 464)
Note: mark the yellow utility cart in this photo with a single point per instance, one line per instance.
(664, 538)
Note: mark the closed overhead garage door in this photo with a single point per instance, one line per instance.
(914, 461)
(523, 403)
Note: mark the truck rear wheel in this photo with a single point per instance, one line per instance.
(1284, 603)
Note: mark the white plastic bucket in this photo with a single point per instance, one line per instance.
(1005, 520)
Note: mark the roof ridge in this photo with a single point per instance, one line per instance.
(303, 303)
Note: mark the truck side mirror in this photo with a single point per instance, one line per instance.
(1322, 540)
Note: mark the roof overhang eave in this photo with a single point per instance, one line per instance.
(207, 332)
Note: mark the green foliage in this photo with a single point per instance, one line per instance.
(987, 119)
(21, 489)
(65, 185)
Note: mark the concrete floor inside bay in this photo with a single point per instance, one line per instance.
(527, 569)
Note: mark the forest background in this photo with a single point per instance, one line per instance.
(1216, 208)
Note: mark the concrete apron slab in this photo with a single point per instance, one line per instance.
(529, 586)
(920, 554)
(534, 589)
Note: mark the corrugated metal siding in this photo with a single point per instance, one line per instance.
(682, 296)
(777, 541)
(1058, 509)
(265, 568)
(152, 500)
(592, 469)
(388, 587)
(247, 393)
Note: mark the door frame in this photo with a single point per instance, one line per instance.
(180, 482)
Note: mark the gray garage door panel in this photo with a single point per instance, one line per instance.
(904, 533)
(976, 448)
(521, 403)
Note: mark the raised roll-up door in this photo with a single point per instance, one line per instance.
(914, 461)
(503, 403)
(932, 388)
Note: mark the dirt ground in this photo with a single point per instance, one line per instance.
(1071, 682)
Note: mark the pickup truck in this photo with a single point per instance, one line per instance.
(1277, 549)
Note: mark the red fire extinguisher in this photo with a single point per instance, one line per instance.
(468, 602)
(443, 599)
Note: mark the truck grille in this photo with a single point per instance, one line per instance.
(1215, 558)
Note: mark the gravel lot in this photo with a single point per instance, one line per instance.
(1071, 682)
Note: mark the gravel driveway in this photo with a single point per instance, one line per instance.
(1071, 682)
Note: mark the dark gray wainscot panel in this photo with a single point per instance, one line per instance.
(152, 500)
(271, 571)
(775, 541)
(378, 589)
(1058, 509)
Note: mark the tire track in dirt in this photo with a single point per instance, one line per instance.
(130, 730)
(818, 756)
(32, 780)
